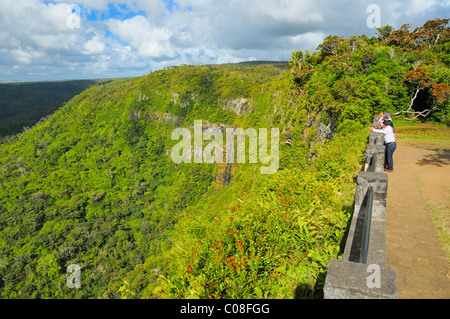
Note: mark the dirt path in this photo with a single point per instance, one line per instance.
(413, 248)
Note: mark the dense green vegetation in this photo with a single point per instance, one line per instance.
(94, 184)
(24, 104)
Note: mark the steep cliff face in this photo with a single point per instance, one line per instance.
(95, 184)
(97, 179)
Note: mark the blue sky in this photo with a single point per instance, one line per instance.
(116, 11)
(78, 39)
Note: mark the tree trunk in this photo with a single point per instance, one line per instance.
(412, 102)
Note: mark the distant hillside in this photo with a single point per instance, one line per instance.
(280, 64)
(24, 104)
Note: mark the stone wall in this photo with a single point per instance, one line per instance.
(349, 277)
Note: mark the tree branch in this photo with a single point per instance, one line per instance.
(411, 104)
(418, 113)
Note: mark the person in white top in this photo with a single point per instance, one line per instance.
(389, 141)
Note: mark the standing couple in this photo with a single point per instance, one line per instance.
(390, 140)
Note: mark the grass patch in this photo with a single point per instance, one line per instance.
(439, 215)
(425, 132)
(430, 136)
(404, 123)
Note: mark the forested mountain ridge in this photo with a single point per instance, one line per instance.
(23, 104)
(94, 185)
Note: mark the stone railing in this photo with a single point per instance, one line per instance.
(354, 277)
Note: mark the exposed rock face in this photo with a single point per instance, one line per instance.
(134, 115)
(324, 132)
(228, 176)
(238, 106)
(166, 117)
(176, 99)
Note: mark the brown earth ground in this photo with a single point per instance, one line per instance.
(421, 179)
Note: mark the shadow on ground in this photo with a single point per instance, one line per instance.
(437, 159)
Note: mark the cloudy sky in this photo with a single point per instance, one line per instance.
(80, 39)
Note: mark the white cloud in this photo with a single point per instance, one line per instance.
(92, 4)
(149, 41)
(94, 46)
(418, 6)
(141, 35)
(27, 56)
(414, 12)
